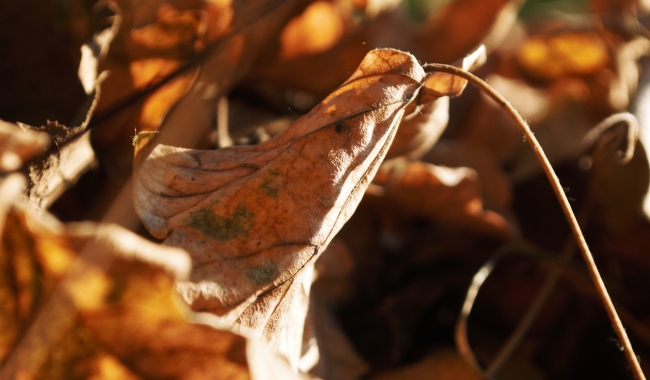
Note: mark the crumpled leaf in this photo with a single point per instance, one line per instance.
(258, 23)
(494, 184)
(55, 172)
(305, 79)
(88, 301)
(68, 158)
(140, 55)
(19, 144)
(452, 195)
(426, 120)
(254, 218)
(191, 98)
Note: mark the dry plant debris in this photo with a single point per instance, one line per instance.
(366, 191)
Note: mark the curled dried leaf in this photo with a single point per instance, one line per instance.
(87, 301)
(254, 218)
(451, 195)
(427, 118)
(139, 57)
(444, 84)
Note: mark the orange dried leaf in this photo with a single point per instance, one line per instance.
(564, 54)
(425, 121)
(316, 30)
(420, 130)
(443, 84)
(254, 218)
(462, 25)
(140, 56)
(89, 301)
(228, 60)
(449, 195)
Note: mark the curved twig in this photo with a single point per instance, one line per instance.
(631, 134)
(462, 342)
(564, 203)
(560, 265)
(554, 273)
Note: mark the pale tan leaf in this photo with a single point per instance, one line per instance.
(87, 301)
(254, 218)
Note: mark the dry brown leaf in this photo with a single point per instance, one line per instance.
(495, 186)
(88, 301)
(420, 130)
(19, 144)
(618, 190)
(316, 30)
(444, 364)
(221, 49)
(426, 120)
(255, 23)
(563, 54)
(462, 25)
(137, 58)
(449, 195)
(255, 218)
(445, 39)
(69, 156)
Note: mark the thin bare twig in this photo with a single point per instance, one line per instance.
(462, 342)
(520, 332)
(623, 157)
(564, 203)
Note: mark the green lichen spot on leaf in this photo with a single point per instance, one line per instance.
(220, 227)
(270, 188)
(262, 274)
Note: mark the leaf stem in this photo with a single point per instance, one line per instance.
(564, 203)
